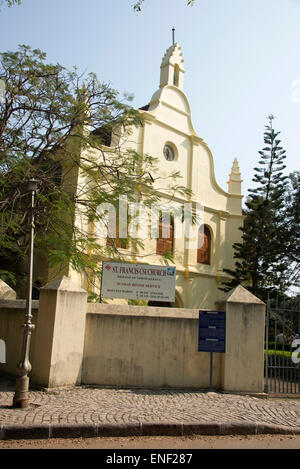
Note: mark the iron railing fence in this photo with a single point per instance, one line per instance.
(282, 346)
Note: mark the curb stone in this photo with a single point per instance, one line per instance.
(43, 431)
(18, 432)
(119, 430)
(161, 429)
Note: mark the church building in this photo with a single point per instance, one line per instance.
(168, 134)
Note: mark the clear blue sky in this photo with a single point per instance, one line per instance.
(241, 60)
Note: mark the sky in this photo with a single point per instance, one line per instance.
(241, 61)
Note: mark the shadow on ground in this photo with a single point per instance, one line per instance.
(7, 383)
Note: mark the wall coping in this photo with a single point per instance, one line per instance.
(240, 294)
(17, 304)
(6, 292)
(142, 311)
(64, 284)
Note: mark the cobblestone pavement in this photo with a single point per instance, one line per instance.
(93, 405)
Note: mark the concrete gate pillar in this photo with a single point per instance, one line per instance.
(59, 336)
(6, 293)
(243, 362)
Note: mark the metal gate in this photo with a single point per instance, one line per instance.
(282, 347)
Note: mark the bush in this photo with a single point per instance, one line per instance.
(271, 346)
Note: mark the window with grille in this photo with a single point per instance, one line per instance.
(116, 241)
(204, 243)
(165, 241)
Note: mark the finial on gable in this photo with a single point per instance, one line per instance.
(172, 68)
(235, 181)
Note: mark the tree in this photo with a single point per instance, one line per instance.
(260, 257)
(138, 5)
(57, 126)
(13, 2)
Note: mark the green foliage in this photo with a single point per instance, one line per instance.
(8, 277)
(13, 2)
(68, 132)
(279, 353)
(138, 5)
(261, 256)
(137, 303)
(10, 3)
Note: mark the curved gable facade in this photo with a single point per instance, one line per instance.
(167, 121)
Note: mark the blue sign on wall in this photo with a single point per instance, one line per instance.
(212, 328)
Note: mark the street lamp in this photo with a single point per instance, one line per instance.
(21, 398)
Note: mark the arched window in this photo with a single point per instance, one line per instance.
(165, 241)
(176, 75)
(113, 238)
(204, 245)
(117, 242)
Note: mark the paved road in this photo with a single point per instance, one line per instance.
(93, 411)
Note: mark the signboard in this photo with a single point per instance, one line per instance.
(138, 281)
(212, 329)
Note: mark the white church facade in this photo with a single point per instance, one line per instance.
(168, 134)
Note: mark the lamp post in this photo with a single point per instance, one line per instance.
(21, 398)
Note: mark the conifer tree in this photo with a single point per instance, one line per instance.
(260, 257)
